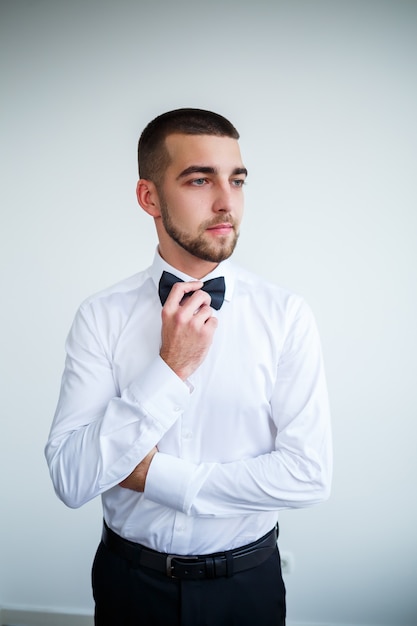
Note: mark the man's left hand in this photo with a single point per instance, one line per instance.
(136, 480)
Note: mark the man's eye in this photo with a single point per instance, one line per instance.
(198, 182)
(238, 182)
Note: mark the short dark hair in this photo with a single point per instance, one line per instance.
(153, 157)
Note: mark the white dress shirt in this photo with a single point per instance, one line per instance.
(246, 435)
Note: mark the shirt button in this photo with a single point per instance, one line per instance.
(177, 409)
(187, 434)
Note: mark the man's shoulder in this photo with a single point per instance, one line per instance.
(260, 286)
(268, 301)
(122, 289)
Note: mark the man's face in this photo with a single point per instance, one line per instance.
(201, 197)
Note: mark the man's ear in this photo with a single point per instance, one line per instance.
(147, 196)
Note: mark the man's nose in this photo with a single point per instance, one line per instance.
(223, 200)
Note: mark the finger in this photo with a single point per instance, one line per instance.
(212, 323)
(180, 290)
(206, 323)
(203, 313)
(192, 301)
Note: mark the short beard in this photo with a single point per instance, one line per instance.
(198, 246)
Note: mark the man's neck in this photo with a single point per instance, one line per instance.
(189, 264)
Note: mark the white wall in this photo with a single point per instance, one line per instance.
(324, 95)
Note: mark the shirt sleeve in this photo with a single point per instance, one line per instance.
(99, 435)
(296, 473)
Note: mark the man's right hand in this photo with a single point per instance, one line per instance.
(188, 327)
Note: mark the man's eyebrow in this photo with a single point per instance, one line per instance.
(197, 169)
(205, 169)
(240, 170)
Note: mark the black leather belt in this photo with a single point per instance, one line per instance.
(193, 567)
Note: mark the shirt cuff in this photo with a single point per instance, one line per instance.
(160, 393)
(167, 481)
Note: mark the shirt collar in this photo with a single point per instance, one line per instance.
(225, 268)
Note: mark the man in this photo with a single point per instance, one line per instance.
(196, 418)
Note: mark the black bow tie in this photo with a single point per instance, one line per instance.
(215, 287)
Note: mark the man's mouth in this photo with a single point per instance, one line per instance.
(221, 229)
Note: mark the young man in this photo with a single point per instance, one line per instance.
(197, 411)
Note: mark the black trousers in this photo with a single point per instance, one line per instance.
(129, 596)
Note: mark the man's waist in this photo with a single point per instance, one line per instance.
(193, 567)
(167, 531)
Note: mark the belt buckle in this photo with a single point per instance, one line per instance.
(170, 567)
